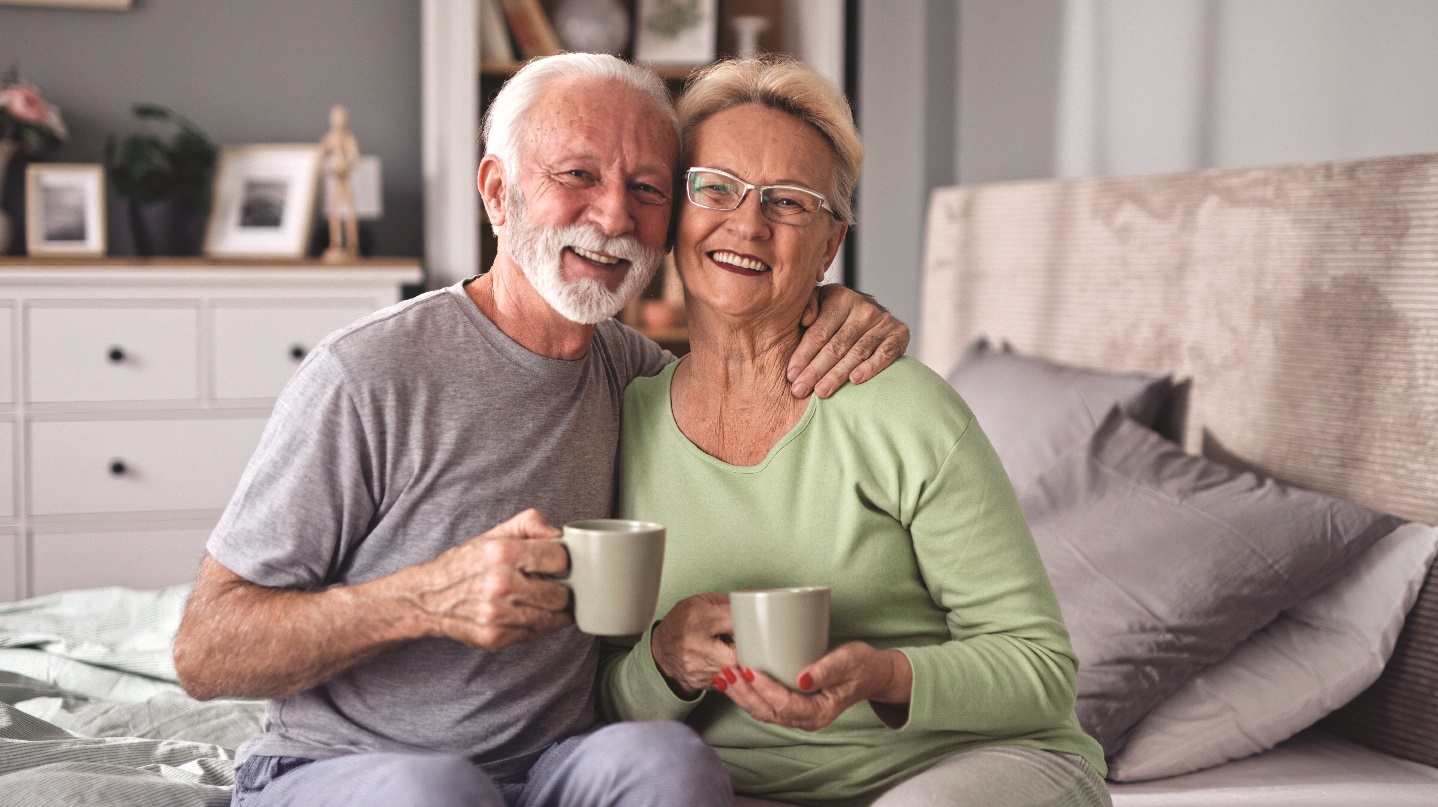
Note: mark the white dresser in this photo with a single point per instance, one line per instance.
(132, 395)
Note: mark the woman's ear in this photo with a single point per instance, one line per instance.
(831, 249)
(492, 189)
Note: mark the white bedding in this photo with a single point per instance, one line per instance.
(90, 712)
(1314, 769)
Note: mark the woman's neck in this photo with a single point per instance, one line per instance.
(730, 396)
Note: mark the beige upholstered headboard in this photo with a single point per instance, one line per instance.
(1302, 301)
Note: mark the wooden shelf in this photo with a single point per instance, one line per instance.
(170, 262)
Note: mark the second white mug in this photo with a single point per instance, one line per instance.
(780, 631)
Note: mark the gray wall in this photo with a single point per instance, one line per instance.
(246, 71)
(907, 111)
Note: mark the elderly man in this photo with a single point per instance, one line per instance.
(365, 578)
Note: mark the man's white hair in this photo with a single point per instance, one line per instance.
(504, 122)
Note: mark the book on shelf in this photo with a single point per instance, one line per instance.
(494, 43)
(531, 29)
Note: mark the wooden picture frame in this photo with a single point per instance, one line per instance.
(263, 204)
(65, 209)
(676, 33)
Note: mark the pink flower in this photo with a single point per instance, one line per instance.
(24, 103)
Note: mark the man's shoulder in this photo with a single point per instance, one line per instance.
(639, 355)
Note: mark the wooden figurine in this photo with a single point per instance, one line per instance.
(339, 152)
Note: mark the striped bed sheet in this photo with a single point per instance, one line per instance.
(91, 713)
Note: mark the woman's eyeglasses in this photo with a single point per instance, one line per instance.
(782, 204)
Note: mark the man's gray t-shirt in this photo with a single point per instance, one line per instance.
(400, 436)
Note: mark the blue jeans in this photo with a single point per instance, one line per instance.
(642, 764)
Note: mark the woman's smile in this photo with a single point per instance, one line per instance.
(738, 264)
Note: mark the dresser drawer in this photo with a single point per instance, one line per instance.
(258, 348)
(9, 567)
(113, 354)
(7, 353)
(149, 559)
(126, 466)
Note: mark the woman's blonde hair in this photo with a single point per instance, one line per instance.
(787, 85)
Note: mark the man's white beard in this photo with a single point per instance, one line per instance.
(539, 251)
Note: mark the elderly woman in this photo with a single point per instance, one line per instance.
(950, 679)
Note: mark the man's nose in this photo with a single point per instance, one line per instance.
(612, 209)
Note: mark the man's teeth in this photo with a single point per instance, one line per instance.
(740, 261)
(597, 257)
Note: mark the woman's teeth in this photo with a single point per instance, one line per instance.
(732, 259)
(597, 257)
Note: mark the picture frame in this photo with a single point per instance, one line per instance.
(65, 209)
(263, 202)
(676, 33)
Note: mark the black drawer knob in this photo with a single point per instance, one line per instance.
(116, 355)
(297, 352)
(117, 468)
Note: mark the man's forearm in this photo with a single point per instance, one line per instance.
(242, 640)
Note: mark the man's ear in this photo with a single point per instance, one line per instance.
(492, 189)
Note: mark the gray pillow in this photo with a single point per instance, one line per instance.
(1163, 562)
(1033, 410)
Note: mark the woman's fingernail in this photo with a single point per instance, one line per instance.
(806, 681)
(792, 374)
(747, 673)
(720, 684)
(728, 673)
(799, 390)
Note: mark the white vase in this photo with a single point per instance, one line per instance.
(7, 230)
(591, 26)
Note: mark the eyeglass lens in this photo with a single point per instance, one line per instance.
(780, 203)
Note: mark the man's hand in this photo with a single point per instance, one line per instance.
(692, 644)
(241, 640)
(487, 592)
(846, 675)
(849, 337)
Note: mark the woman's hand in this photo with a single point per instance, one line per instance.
(850, 337)
(693, 643)
(846, 675)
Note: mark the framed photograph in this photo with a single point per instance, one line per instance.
(679, 33)
(264, 201)
(64, 209)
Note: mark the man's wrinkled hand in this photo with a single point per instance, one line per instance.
(848, 337)
(490, 591)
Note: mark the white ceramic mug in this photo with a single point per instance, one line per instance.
(614, 569)
(781, 630)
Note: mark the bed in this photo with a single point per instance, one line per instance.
(1292, 313)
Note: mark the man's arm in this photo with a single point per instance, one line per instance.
(239, 639)
(849, 337)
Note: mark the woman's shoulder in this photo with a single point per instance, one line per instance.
(906, 387)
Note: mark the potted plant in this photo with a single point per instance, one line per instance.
(28, 125)
(165, 181)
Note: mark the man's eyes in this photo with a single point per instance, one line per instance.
(580, 179)
(576, 178)
(648, 194)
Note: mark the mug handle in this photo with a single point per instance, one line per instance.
(563, 577)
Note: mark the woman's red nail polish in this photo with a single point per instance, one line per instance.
(747, 673)
(728, 673)
(806, 681)
(720, 684)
